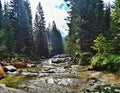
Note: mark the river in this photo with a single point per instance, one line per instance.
(56, 75)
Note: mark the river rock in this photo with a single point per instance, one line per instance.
(31, 65)
(29, 73)
(3, 63)
(1, 71)
(9, 68)
(57, 60)
(20, 65)
(4, 89)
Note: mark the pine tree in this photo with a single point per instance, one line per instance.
(20, 17)
(9, 42)
(73, 39)
(86, 23)
(1, 15)
(2, 32)
(116, 26)
(49, 38)
(89, 21)
(56, 41)
(41, 44)
(107, 20)
(29, 36)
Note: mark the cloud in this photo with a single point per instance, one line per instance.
(55, 10)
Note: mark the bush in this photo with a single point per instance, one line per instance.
(83, 58)
(3, 52)
(106, 61)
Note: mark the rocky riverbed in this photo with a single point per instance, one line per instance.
(56, 75)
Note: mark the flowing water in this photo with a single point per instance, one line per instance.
(56, 75)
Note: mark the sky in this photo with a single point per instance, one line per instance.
(54, 10)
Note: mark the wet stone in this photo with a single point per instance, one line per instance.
(61, 77)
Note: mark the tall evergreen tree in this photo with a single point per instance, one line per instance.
(90, 15)
(49, 38)
(2, 33)
(20, 17)
(56, 41)
(116, 26)
(41, 44)
(1, 15)
(73, 39)
(29, 36)
(107, 20)
(87, 20)
(9, 42)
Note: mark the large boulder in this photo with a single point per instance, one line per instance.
(20, 65)
(1, 71)
(9, 68)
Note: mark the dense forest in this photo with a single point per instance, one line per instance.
(19, 36)
(94, 36)
(94, 33)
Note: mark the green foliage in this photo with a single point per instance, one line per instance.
(83, 58)
(87, 20)
(56, 40)
(105, 60)
(115, 25)
(2, 37)
(15, 57)
(41, 44)
(72, 50)
(106, 89)
(99, 43)
(3, 49)
(108, 48)
(3, 52)
(1, 15)
(21, 25)
(102, 45)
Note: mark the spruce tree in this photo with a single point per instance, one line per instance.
(56, 41)
(41, 44)
(9, 42)
(86, 22)
(29, 36)
(116, 26)
(49, 38)
(1, 15)
(20, 17)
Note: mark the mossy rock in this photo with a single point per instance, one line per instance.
(14, 80)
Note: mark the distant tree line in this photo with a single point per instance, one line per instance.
(18, 34)
(94, 34)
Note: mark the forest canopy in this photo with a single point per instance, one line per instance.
(19, 35)
(94, 36)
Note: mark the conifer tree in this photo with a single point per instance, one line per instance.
(20, 17)
(116, 26)
(56, 40)
(1, 15)
(41, 44)
(9, 42)
(49, 38)
(86, 22)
